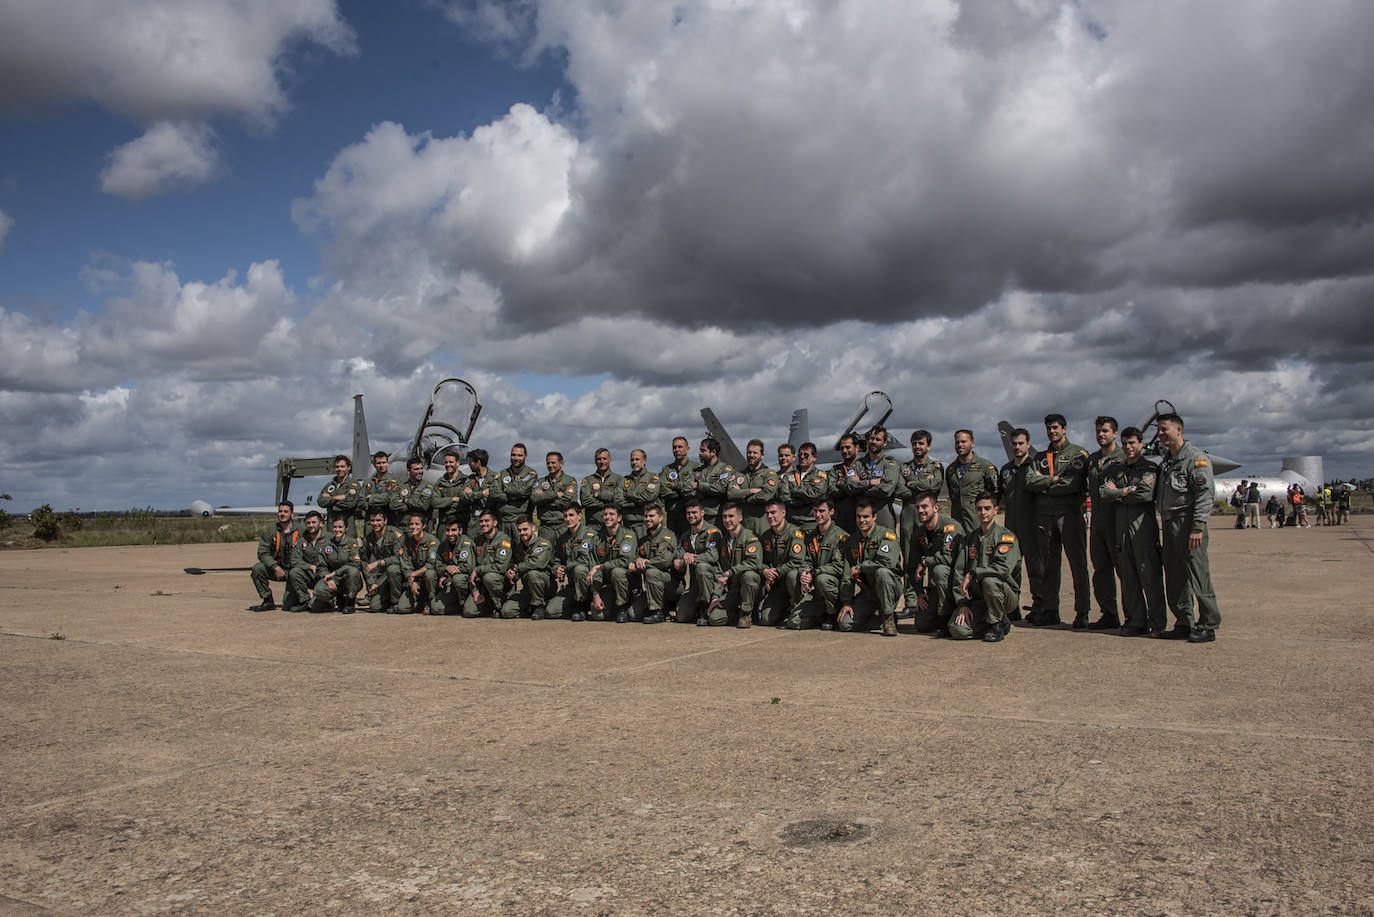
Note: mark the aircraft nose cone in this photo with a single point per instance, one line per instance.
(1221, 464)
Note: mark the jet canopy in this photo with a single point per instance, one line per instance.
(447, 423)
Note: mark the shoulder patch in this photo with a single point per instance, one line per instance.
(752, 549)
(889, 536)
(1003, 548)
(1008, 539)
(1199, 463)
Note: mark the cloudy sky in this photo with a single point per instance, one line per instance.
(221, 218)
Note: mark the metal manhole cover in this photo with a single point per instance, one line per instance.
(819, 831)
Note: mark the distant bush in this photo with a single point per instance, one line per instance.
(46, 524)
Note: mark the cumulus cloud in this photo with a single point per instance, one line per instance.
(160, 59)
(169, 156)
(6, 224)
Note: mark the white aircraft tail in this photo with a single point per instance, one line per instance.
(729, 452)
(362, 452)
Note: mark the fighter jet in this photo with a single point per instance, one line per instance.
(445, 428)
(799, 431)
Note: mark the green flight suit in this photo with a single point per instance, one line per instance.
(676, 483)
(1184, 495)
(845, 483)
(480, 493)
(965, 482)
(412, 497)
(598, 492)
(659, 549)
(710, 484)
(549, 498)
(784, 551)
(1057, 478)
(573, 551)
(377, 494)
(1137, 544)
(307, 566)
(935, 553)
(741, 564)
(888, 474)
(340, 500)
(422, 554)
(534, 564)
(918, 478)
(827, 559)
(341, 560)
(454, 566)
(874, 594)
(275, 548)
(752, 490)
(638, 493)
(1018, 509)
(517, 486)
(800, 490)
(695, 595)
(387, 551)
(1102, 530)
(494, 557)
(447, 500)
(611, 573)
(994, 560)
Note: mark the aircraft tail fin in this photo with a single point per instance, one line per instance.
(729, 452)
(1004, 429)
(799, 430)
(362, 452)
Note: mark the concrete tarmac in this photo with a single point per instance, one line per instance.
(173, 753)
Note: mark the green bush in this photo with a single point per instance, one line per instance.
(46, 524)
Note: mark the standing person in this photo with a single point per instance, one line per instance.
(921, 475)
(481, 492)
(641, 490)
(341, 497)
(601, 488)
(554, 493)
(1185, 504)
(516, 486)
(448, 494)
(381, 487)
(787, 458)
(968, 475)
(875, 574)
(1273, 511)
(826, 570)
(1103, 466)
(989, 581)
(711, 479)
(880, 476)
(1057, 480)
(1252, 505)
(802, 486)
(1018, 508)
(845, 482)
(413, 496)
(1237, 501)
(1132, 492)
(1343, 506)
(1282, 518)
(275, 547)
(676, 485)
(753, 487)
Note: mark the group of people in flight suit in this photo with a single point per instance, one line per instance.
(701, 542)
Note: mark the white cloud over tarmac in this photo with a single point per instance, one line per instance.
(987, 210)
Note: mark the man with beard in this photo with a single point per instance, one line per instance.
(968, 475)
(921, 475)
(532, 573)
(802, 486)
(676, 485)
(1057, 478)
(711, 479)
(935, 547)
(826, 572)
(517, 483)
(1018, 505)
(554, 493)
(875, 573)
(753, 487)
(454, 565)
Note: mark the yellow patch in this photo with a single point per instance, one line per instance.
(505, 544)
(798, 534)
(1199, 463)
(950, 527)
(752, 549)
(821, 473)
(889, 536)
(1008, 539)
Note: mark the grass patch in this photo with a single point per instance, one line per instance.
(137, 527)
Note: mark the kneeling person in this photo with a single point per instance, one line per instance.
(990, 577)
(422, 556)
(341, 562)
(875, 572)
(307, 561)
(609, 578)
(275, 547)
(784, 559)
(825, 572)
(384, 557)
(532, 573)
(457, 559)
(736, 586)
(488, 578)
(657, 551)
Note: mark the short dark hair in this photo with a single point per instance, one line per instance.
(808, 445)
(479, 456)
(380, 454)
(865, 503)
(524, 519)
(487, 512)
(776, 501)
(920, 434)
(415, 460)
(343, 458)
(549, 455)
(965, 430)
(986, 495)
(850, 436)
(691, 502)
(520, 446)
(288, 504)
(1019, 431)
(1132, 433)
(1170, 418)
(315, 513)
(1056, 418)
(754, 442)
(711, 444)
(421, 516)
(729, 506)
(576, 506)
(1110, 421)
(927, 495)
(823, 501)
(376, 512)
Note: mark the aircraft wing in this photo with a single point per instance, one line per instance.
(729, 452)
(205, 510)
